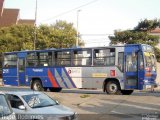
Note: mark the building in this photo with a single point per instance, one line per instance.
(156, 32)
(9, 16)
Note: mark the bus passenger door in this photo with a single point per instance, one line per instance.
(21, 71)
(131, 70)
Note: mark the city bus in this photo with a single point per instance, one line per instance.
(114, 69)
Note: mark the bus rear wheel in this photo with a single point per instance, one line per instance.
(55, 89)
(127, 92)
(37, 85)
(112, 88)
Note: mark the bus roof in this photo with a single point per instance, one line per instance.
(74, 48)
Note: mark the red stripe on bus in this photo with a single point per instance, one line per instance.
(51, 78)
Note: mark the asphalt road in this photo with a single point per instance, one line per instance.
(96, 105)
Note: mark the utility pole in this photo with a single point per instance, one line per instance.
(35, 26)
(77, 40)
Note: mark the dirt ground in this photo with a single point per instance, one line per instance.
(158, 74)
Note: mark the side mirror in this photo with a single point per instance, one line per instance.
(22, 107)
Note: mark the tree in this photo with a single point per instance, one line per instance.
(64, 34)
(21, 37)
(17, 37)
(58, 35)
(133, 37)
(147, 25)
(139, 35)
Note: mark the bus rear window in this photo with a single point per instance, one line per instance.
(10, 61)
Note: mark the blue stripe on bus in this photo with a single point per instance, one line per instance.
(69, 78)
(61, 78)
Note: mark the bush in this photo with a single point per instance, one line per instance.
(157, 52)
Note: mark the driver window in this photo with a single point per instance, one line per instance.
(15, 101)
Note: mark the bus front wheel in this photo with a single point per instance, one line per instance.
(37, 85)
(127, 92)
(113, 88)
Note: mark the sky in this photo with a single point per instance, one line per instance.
(96, 19)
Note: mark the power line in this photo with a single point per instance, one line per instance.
(63, 13)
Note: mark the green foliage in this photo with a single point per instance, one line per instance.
(147, 25)
(133, 37)
(21, 37)
(65, 34)
(157, 52)
(139, 35)
(15, 38)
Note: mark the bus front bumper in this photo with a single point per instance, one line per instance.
(150, 86)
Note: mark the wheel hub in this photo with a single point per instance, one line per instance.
(36, 86)
(113, 88)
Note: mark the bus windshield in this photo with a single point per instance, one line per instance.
(150, 59)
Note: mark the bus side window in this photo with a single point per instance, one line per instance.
(63, 58)
(10, 61)
(104, 57)
(121, 61)
(45, 59)
(32, 59)
(98, 57)
(82, 58)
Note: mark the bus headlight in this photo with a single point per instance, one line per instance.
(145, 81)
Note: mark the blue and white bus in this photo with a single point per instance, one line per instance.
(115, 69)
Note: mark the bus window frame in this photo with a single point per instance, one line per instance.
(123, 62)
(55, 57)
(35, 61)
(89, 51)
(107, 57)
(6, 62)
(46, 61)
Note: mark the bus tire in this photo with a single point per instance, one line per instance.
(55, 89)
(127, 92)
(37, 85)
(113, 88)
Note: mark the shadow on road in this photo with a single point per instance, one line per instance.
(147, 93)
(84, 91)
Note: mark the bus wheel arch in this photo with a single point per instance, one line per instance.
(111, 86)
(36, 84)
